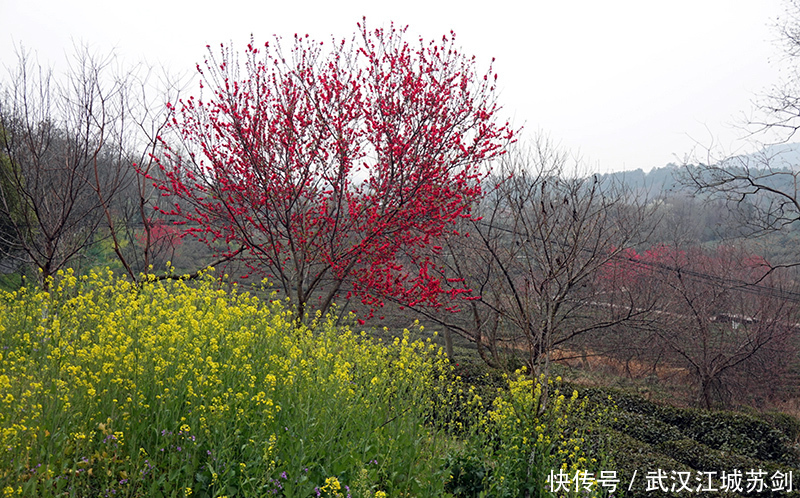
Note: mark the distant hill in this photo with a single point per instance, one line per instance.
(779, 156)
(656, 180)
(666, 179)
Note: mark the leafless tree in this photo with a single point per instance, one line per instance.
(535, 257)
(71, 147)
(762, 189)
(779, 109)
(54, 142)
(142, 239)
(724, 316)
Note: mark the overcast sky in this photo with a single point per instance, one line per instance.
(626, 83)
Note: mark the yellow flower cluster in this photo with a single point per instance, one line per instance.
(104, 381)
(540, 427)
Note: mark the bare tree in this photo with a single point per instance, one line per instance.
(10, 215)
(141, 237)
(72, 145)
(762, 189)
(54, 141)
(780, 108)
(534, 258)
(724, 316)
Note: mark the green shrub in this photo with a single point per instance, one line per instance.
(702, 458)
(763, 438)
(531, 431)
(633, 459)
(739, 433)
(647, 436)
(646, 429)
(785, 423)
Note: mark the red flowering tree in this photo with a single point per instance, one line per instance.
(330, 168)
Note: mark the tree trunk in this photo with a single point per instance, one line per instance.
(448, 343)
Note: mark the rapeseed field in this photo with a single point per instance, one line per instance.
(172, 388)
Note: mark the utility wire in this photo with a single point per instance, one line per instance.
(751, 288)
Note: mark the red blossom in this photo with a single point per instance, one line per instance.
(335, 167)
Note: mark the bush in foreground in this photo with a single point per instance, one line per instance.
(533, 442)
(169, 388)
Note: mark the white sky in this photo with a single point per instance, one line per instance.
(626, 83)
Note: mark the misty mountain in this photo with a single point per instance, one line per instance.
(779, 157)
(665, 179)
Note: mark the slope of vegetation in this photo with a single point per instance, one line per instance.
(171, 388)
(176, 389)
(701, 449)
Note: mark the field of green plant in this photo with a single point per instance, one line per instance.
(169, 388)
